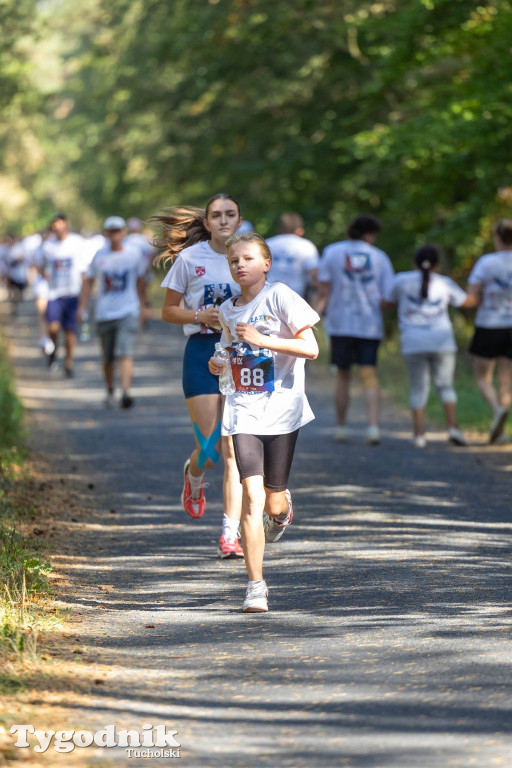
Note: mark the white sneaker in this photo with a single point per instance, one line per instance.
(456, 436)
(272, 527)
(109, 401)
(498, 424)
(341, 434)
(372, 436)
(419, 441)
(503, 440)
(256, 598)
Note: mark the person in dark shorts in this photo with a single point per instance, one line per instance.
(63, 262)
(490, 282)
(120, 268)
(197, 283)
(354, 276)
(268, 330)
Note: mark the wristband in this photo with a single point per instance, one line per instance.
(196, 316)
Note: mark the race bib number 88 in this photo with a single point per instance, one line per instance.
(253, 371)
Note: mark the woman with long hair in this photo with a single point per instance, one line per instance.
(197, 283)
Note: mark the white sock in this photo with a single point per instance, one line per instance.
(230, 528)
(195, 483)
(258, 581)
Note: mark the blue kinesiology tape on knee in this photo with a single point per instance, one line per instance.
(207, 445)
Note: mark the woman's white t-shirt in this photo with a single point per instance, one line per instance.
(425, 325)
(360, 275)
(270, 397)
(118, 272)
(494, 273)
(202, 275)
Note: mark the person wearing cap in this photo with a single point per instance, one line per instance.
(63, 258)
(119, 267)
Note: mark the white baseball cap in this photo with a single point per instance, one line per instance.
(114, 222)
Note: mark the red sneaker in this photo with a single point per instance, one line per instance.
(229, 549)
(193, 505)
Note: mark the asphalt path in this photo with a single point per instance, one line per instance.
(387, 643)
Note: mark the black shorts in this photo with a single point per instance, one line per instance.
(268, 455)
(347, 350)
(492, 343)
(15, 284)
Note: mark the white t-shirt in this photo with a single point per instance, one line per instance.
(494, 273)
(18, 263)
(293, 258)
(137, 238)
(425, 325)
(117, 272)
(92, 245)
(270, 397)
(202, 275)
(360, 276)
(64, 263)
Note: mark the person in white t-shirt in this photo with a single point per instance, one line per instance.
(490, 282)
(120, 269)
(353, 277)
(17, 263)
(268, 330)
(143, 239)
(197, 283)
(40, 290)
(427, 339)
(294, 258)
(63, 264)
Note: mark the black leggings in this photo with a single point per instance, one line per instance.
(268, 455)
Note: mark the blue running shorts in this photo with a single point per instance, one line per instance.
(197, 379)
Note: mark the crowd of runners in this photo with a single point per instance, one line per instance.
(248, 307)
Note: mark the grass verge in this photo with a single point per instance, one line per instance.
(24, 569)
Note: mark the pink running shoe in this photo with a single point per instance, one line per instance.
(193, 505)
(229, 549)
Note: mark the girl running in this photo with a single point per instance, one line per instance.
(197, 283)
(428, 343)
(269, 332)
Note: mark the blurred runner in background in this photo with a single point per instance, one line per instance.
(354, 276)
(294, 258)
(120, 268)
(490, 282)
(63, 261)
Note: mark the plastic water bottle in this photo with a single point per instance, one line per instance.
(226, 384)
(85, 329)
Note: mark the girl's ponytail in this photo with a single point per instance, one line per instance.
(426, 258)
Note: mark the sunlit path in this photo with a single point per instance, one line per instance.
(387, 643)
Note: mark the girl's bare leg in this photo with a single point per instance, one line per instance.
(253, 536)
(231, 485)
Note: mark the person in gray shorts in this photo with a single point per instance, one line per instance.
(120, 268)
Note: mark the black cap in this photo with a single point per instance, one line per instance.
(58, 216)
